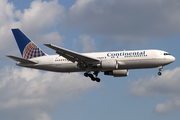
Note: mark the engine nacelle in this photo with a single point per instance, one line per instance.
(109, 64)
(117, 73)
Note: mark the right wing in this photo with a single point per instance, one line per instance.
(21, 60)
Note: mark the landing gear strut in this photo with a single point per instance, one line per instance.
(92, 76)
(160, 69)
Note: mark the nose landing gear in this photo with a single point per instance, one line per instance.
(160, 69)
(159, 73)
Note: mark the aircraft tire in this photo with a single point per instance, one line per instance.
(98, 80)
(86, 74)
(159, 73)
(91, 76)
(93, 79)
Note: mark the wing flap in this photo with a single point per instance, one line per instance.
(21, 60)
(73, 56)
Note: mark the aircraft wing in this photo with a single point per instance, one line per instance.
(73, 56)
(21, 60)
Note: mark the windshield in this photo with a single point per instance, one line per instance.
(167, 54)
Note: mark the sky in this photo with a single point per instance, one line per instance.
(90, 26)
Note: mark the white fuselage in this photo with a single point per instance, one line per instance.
(137, 59)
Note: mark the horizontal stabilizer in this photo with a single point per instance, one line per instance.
(21, 60)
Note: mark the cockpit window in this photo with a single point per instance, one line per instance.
(167, 54)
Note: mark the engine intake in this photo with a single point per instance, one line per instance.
(117, 73)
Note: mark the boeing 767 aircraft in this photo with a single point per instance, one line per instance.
(114, 63)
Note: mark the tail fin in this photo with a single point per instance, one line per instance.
(27, 48)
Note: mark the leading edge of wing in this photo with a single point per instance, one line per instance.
(73, 56)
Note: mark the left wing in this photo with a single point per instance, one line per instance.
(73, 56)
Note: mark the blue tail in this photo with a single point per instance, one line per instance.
(27, 48)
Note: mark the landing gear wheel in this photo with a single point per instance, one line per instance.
(159, 73)
(93, 79)
(98, 80)
(92, 76)
(86, 74)
(160, 68)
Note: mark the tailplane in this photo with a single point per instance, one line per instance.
(21, 60)
(27, 47)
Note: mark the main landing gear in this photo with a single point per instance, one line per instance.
(160, 69)
(92, 76)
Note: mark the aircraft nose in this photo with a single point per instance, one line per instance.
(173, 58)
(170, 59)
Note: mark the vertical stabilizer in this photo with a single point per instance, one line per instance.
(27, 47)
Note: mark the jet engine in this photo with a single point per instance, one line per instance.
(117, 73)
(109, 64)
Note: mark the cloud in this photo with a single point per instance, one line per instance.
(150, 19)
(41, 15)
(167, 85)
(53, 38)
(31, 94)
(35, 22)
(85, 43)
(7, 16)
(169, 106)
(88, 44)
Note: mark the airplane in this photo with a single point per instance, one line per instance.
(113, 63)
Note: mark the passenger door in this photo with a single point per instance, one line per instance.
(153, 55)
